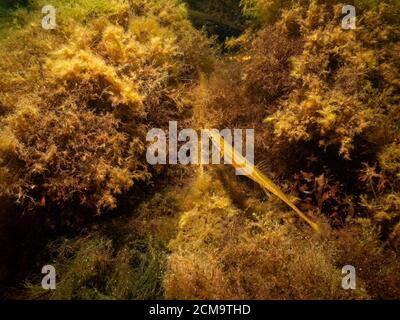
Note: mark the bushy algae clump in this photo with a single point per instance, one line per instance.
(77, 136)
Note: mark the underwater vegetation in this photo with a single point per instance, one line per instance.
(76, 103)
